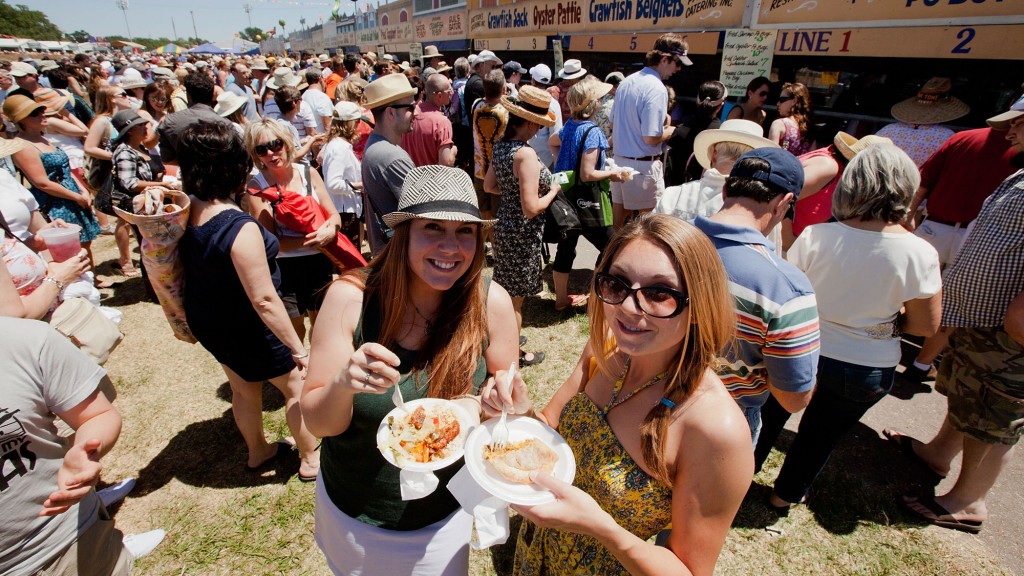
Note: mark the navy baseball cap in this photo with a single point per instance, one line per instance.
(784, 170)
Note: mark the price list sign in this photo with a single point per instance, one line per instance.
(746, 54)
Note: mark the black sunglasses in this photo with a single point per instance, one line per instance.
(785, 99)
(36, 113)
(656, 301)
(272, 146)
(762, 93)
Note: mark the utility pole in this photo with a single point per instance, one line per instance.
(195, 34)
(123, 5)
(175, 28)
(248, 12)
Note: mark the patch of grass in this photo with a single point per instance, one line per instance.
(179, 440)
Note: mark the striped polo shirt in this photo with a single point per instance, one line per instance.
(777, 338)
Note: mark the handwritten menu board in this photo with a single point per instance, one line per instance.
(746, 54)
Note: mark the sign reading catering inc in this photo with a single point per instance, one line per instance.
(576, 16)
(446, 26)
(872, 13)
(394, 21)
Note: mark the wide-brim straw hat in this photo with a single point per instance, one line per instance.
(387, 89)
(228, 103)
(443, 67)
(533, 104)
(849, 146)
(437, 192)
(18, 107)
(594, 92)
(284, 76)
(8, 147)
(739, 131)
(52, 99)
(933, 104)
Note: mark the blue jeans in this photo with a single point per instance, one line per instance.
(845, 392)
(753, 416)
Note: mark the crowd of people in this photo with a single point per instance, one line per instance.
(747, 270)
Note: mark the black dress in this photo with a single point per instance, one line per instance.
(216, 306)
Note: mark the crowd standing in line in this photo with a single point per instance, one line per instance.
(742, 301)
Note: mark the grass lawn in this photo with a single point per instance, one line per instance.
(180, 441)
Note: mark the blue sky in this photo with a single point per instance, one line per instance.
(216, 20)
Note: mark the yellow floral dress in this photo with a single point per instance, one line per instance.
(605, 471)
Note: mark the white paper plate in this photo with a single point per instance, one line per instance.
(519, 428)
(465, 426)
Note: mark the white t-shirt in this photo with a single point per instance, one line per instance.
(71, 146)
(539, 142)
(17, 205)
(695, 198)
(319, 105)
(341, 167)
(861, 280)
(43, 374)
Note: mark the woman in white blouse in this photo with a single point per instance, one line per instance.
(341, 168)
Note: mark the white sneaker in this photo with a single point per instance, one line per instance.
(116, 492)
(139, 545)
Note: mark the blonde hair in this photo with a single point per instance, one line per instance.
(578, 95)
(345, 129)
(455, 339)
(711, 314)
(730, 151)
(266, 128)
(103, 101)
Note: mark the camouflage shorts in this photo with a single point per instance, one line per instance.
(982, 377)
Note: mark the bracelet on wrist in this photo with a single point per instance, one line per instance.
(301, 356)
(55, 282)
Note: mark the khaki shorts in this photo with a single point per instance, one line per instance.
(982, 377)
(99, 551)
(488, 202)
(644, 190)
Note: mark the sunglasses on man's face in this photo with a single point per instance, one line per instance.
(272, 146)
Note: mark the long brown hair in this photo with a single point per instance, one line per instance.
(801, 110)
(457, 337)
(712, 320)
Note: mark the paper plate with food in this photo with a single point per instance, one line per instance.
(505, 472)
(428, 435)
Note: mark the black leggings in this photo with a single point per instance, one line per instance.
(566, 251)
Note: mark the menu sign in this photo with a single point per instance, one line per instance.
(746, 54)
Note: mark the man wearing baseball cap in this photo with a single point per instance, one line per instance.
(776, 353)
(540, 77)
(27, 78)
(474, 90)
(513, 75)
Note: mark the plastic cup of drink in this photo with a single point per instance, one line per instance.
(62, 243)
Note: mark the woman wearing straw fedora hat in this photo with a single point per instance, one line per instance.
(917, 130)
(526, 190)
(422, 316)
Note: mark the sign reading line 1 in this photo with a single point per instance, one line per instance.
(966, 42)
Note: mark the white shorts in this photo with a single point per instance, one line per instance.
(353, 548)
(946, 239)
(644, 190)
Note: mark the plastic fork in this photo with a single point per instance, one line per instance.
(396, 397)
(499, 437)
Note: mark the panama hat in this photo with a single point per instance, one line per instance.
(572, 69)
(387, 89)
(19, 107)
(533, 104)
(739, 131)
(1003, 121)
(443, 67)
(53, 100)
(8, 147)
(259, 64)
(430, 52)
(487, 56)
(283, 76)
(228, 103)
(933, 104)
(849, 146)
(132, 83)
(436, 192)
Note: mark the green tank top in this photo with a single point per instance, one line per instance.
(359, 481)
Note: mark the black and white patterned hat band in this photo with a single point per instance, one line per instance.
(437, 193)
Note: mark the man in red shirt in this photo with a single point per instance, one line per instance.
(430, 141)
(955, 181)
(338, 74)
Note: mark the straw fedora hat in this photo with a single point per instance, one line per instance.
(437, 192)
(387, 89)
(228, 103)
(284, 76)
(18, 107)
(532, 104)
(934, 104)
(430, 52)
(739, 131)
(593, 91)
(8, 147)
(442, 67)
(849, 146)
(52, 99)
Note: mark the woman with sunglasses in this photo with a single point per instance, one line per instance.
(232, 301)
(792, 131)
(48, 170)
(305, 271)
(752, 106)
(658, 440)
(110, 100)
(155, 107)
(422, 316)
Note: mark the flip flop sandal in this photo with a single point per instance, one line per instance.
(905, 444)
(129, 273)
(938, 515)
(575, 301)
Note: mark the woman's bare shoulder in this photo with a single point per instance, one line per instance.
(714, 419)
